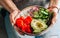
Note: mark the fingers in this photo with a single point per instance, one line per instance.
(55, 11)
(54, 18)
(17, 15)
(12, 17)
(11, 20)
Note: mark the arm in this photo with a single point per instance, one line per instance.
(53, 2)
(9, 5)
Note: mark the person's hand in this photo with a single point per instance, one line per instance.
(55, 10)
(13, 17)
(53, 7)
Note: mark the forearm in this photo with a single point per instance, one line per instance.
(9, 5)
(53, 2)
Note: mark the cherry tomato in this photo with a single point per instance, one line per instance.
(28, 20)
(19, 22)
(28, 29)
(23, 28)
(22, 18)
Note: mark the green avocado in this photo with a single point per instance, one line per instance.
(38, 25)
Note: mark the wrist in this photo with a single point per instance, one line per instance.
(54, 8)
(12, 10)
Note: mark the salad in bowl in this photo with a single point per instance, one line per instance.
(34, 20)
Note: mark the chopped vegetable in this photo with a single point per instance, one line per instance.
(38, 25)
(28, 20)
(19, 22)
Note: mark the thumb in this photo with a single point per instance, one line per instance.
(12, 17)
